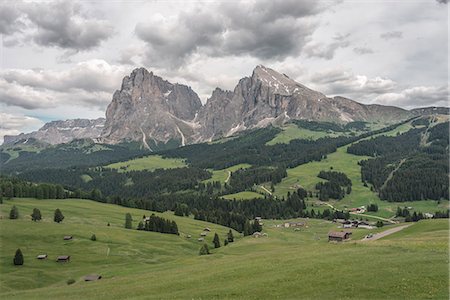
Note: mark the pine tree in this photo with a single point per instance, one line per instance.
(36, 215)
(140, 226)
(58, 217)
(93, 238)
(216, 241)
(230, 236)
(204, 250)
(14, 213)
(128, 221)
(18, 258)
(225, 242)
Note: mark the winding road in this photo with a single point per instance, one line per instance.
(380, 235)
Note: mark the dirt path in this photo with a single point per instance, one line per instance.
(264, 188)
(228, 178)
(380, 235)
(392, 173)
(365, 215)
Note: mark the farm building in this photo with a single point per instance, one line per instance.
(201, 239)
(203, 234)
(68, 237)
(257, 234)
(207, 229)
(63, 258)
(92, 277)
(339, 236)
(42, 256)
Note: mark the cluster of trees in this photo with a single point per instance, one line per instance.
(414, 217)
(251, 148)
(406, 168)
(243, 179)
(75, 153)
(336, 187)
(36, 215)
(328, 126)
(372, 207)
(15, 187)
(158, 224)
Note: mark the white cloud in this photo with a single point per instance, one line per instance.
(11, 124)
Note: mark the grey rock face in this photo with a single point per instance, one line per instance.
(58, 132)
(150, 109)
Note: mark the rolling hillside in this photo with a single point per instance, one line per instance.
(146, 265)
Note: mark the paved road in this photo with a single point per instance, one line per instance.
(370, 216)
(380, 235)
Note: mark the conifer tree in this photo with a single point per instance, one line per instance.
(36, 215)
(58, 217)
(216, 241)
(18, 258)
(93, 237)
(128, 221)
(230, 237)
(14, 213)
(204, 250)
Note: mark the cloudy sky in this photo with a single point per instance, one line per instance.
(64, 59)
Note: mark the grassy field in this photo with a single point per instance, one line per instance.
(292, 132)
(149, 163)
(222, 175)
(246, 195)
(287, 264)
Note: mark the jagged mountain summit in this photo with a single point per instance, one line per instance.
(154, 111)
(59, 132)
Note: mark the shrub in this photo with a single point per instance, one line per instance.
(14, 213)
(18, 258)
(93, 238)
(58, 217)
(36, 215)
(204, 250)
(70, 281)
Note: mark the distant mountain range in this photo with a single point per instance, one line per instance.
(155, 112)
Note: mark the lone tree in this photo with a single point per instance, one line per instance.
(18, 258)
(216, 241)
(204, 250)
(59, 217)
(14, 213)
(230, 236)
(380, 224)
(36, 215)
(128, 221)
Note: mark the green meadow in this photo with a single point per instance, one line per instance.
(292, 132)
(223, 175)
(287, 264)
(149, 163)
(246, 195)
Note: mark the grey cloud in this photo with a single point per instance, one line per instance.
(419, 96)
(61, 24)
(262, 29)
(442, 1)
(391, 35)
(91, 82)
(362, 50)
(11, 124)
(314, 49)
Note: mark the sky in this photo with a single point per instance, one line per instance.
(64, 59)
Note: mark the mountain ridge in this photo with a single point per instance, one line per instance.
(153, 111)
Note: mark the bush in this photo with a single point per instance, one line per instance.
(18, 258)
(93, 238)
(14, 213)
(128, 221)
(70, 281)
(380, 224)
(36, 215)
(58, 217)
(204, 250)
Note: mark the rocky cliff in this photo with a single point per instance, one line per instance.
(58, 132)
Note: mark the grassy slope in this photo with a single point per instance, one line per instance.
(222, 175)
(287, 265)
(306, 177)
(246, 195)
(292, 132)
(150, 163)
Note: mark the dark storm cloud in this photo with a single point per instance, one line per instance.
(391, 35)
(61, 24)
(262, 29)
